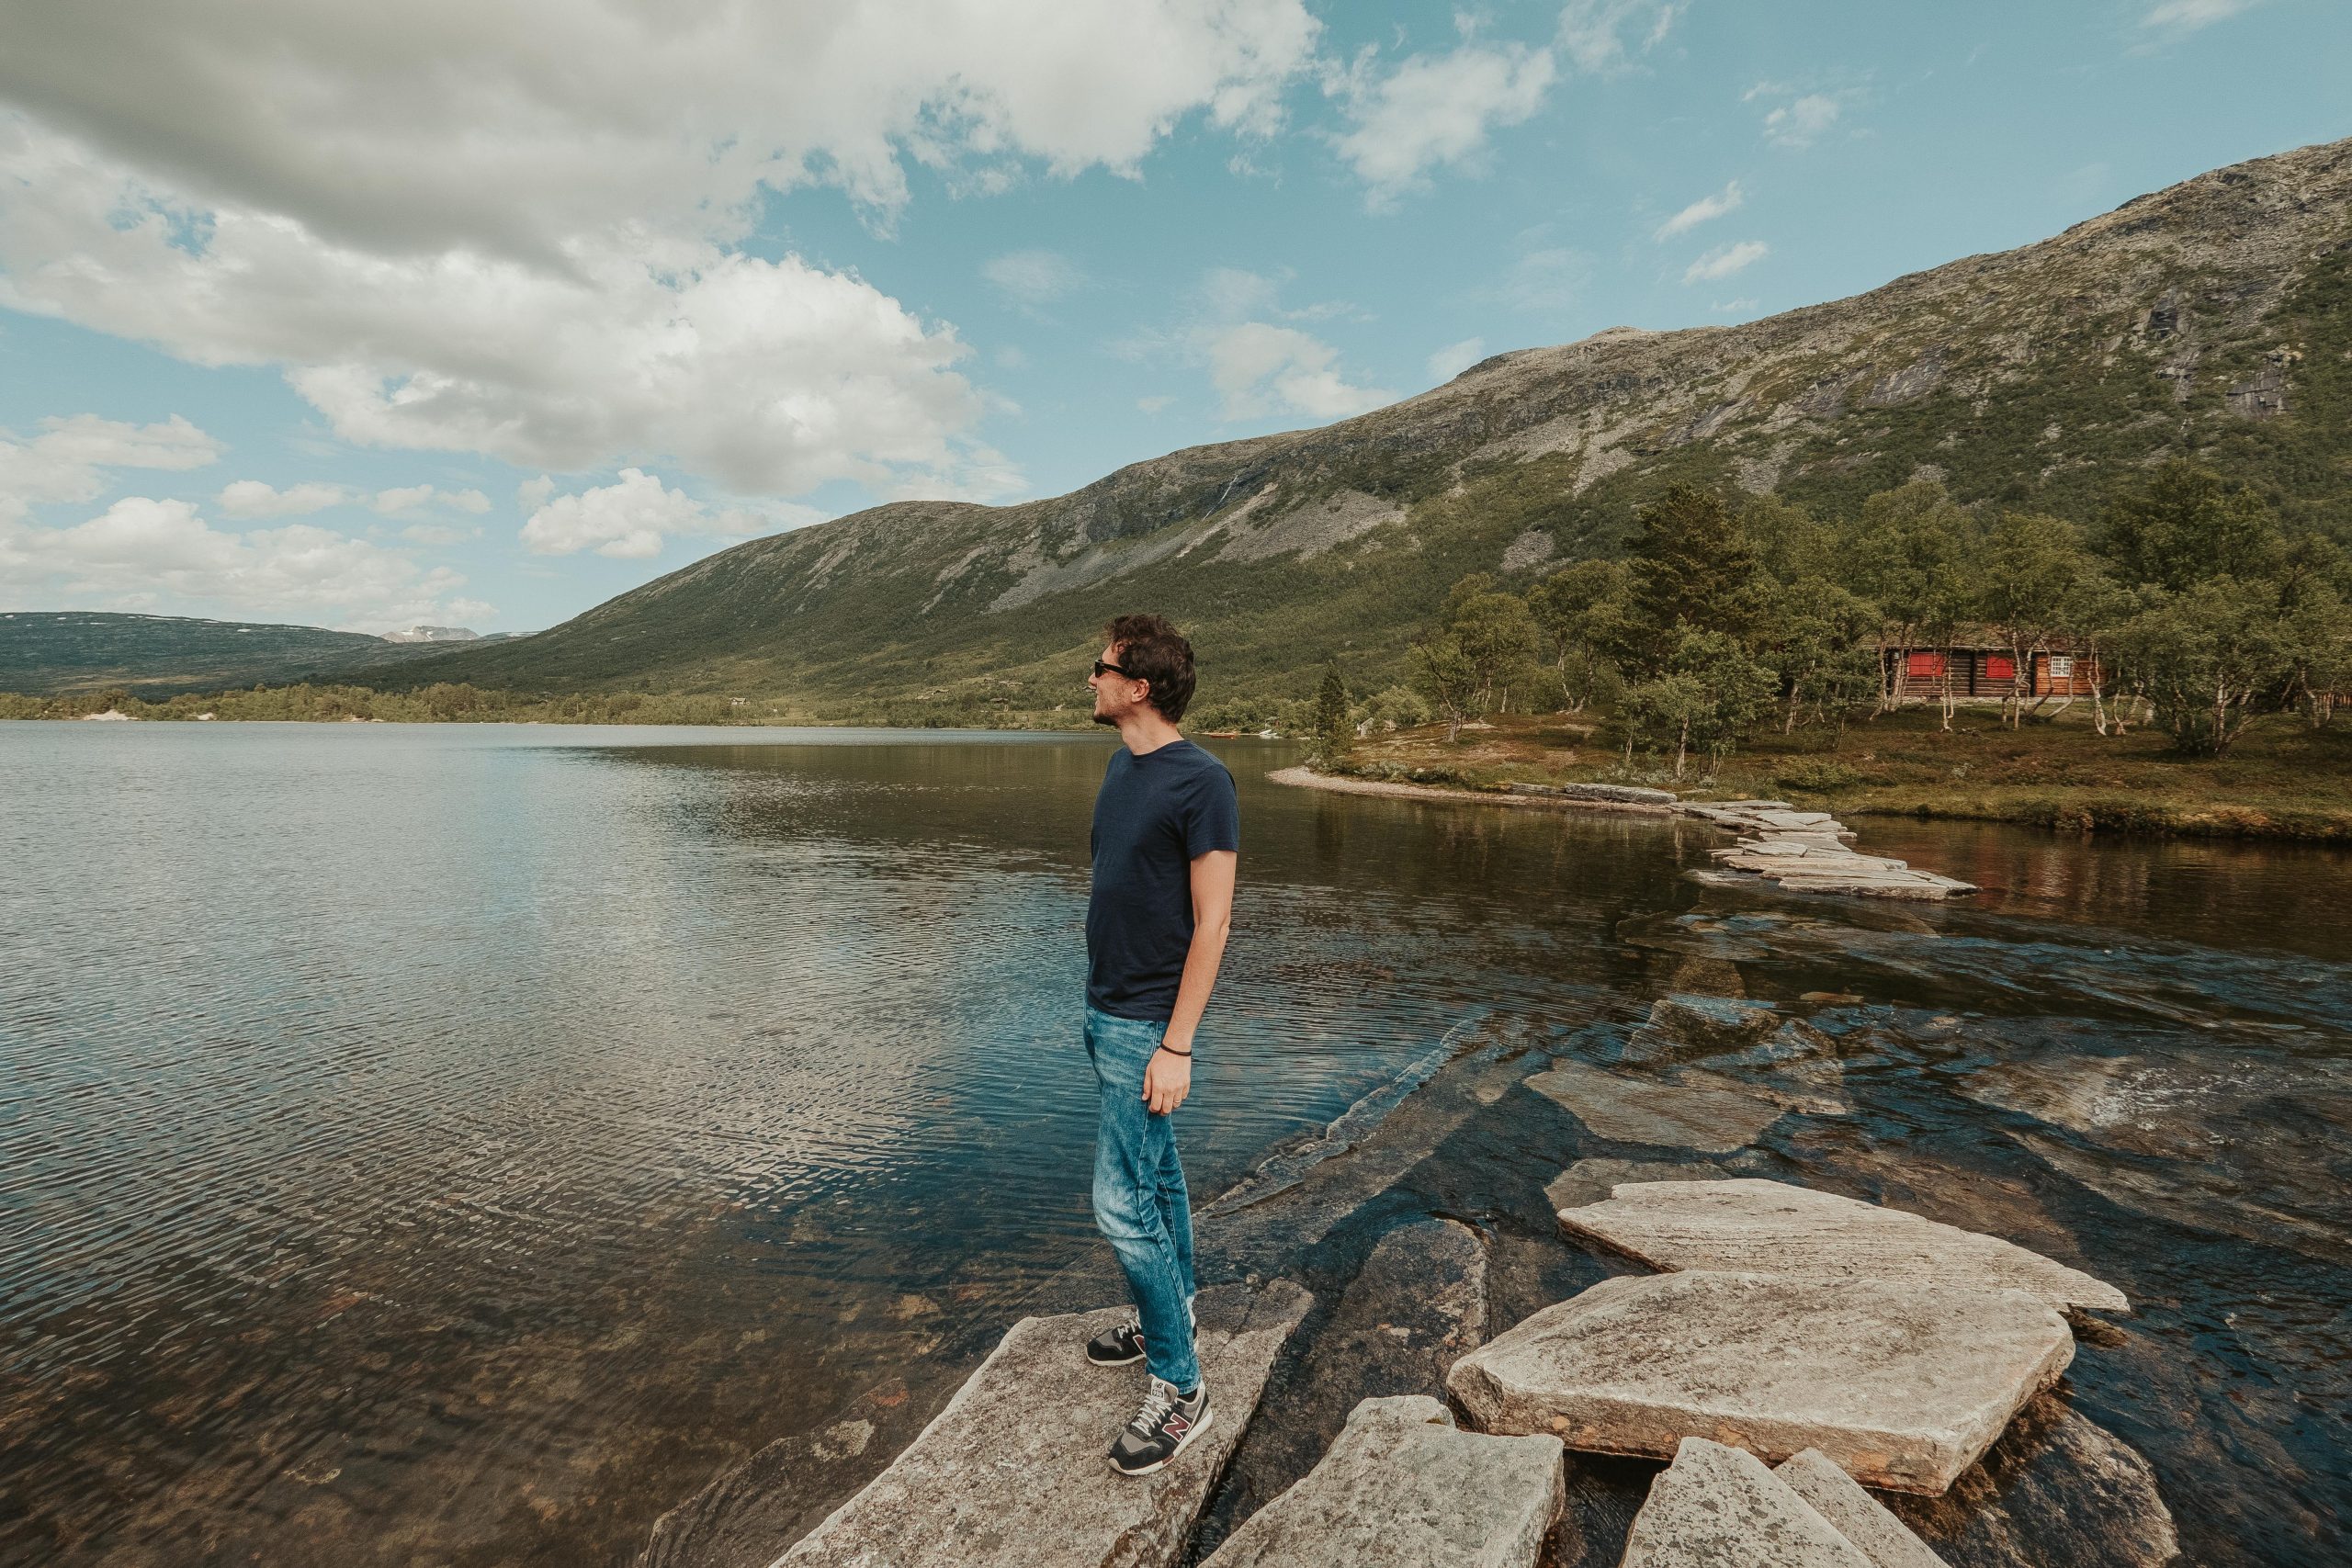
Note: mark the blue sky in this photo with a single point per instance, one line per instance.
(436, 316)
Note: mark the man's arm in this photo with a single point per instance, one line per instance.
(1169, 1078)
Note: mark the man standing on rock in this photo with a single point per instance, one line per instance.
(1167, 837)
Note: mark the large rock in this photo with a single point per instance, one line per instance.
(1905, 1385)
(1861, 1519)
(1015, 1472)
(1771, 1227)
(1631, 1110)
(1403, 1488)
(1718, 1507)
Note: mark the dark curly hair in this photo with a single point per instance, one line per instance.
(1152, 650)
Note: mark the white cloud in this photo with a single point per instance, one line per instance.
(1436, 111)
(628, 519)
(68, 459)
(1727, 200)
(480, 229)
(1738, 306)
(254, 498)
(1259, 367)
(501, 126)
(1593, 33)
(409, 497)
(1034, 277)
(1725, 260)
(146, 554)
(436, 534)
(532, 494)
(1543, 279)
(1800, 123)
(1260, 370)
(2187, 16)
(768, 375)
(1455, 357)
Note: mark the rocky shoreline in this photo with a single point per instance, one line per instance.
(1824, 1379)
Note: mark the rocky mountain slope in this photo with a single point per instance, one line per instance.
(2214, 319)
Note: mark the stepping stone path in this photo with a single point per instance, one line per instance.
(1903, 1383)
(1772, 1227)
(1805, 852)
(1402, 1486)
(1714, 1117)
(1718, 1507)
(1016, 1471)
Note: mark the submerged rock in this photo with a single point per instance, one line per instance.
(1718, 1507)
(1592, 1180)
(1685, 1027)
(1014, 1470)
(2249, 1147)
(1629, 1110)
(1773, 1227)
(2059, 1492)
(1402, 1487)
(1861, 1519)
(1905, 1385)
(1415, 1307)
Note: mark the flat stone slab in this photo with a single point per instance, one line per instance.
(1861, 1519)
(1772, 1227)
(1016, 1472)
(1634, 1110)
(1903, 1385)
(1402, 1487)
(1718, 1507)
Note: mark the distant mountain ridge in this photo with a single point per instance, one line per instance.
(43, 652)
(2212, 318)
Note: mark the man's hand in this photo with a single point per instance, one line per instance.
(1166, 1081)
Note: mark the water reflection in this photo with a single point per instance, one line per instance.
(456, 1144)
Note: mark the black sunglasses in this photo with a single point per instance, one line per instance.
(1105, 667)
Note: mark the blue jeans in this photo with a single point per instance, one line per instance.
(1139, 1202)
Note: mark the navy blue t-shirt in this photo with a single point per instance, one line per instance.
(1154, 816)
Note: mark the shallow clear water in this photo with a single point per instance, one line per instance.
(454, 1144)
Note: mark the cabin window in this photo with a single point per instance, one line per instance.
(2000, 667)
(1924, 666)
(2061, 667)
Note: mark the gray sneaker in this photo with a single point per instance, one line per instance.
(1118, 1346)
(1162, 1430)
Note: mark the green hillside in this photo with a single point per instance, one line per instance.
(44, 652)
(2212, 320)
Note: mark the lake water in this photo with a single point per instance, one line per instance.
(452, 1144)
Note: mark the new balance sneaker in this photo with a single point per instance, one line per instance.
(1121, 1345)
(1162, 1430)
(1118, 1346)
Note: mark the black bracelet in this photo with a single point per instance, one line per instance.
(1173, 1052)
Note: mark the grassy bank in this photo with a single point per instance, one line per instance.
(2284, 780)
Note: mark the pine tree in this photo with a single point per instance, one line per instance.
(1693, 567)
(1332, 730)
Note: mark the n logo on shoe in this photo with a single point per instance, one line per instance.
(1176, 1426)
